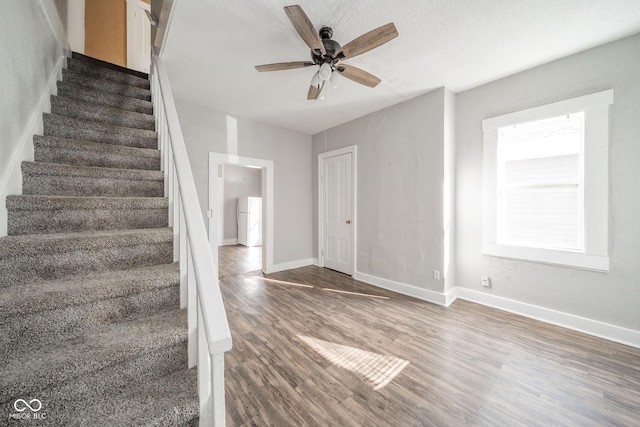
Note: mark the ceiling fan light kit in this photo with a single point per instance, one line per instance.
(325, 71)
(326, 53)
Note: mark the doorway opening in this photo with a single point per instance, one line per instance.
(244, 177)
(242, 205)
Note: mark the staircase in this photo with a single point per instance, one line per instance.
(89, 292)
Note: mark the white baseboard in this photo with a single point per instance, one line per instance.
(290, 265)
(402, 288)
(316, 262)
(596, 328)
(228, 242)
(11, 180)
(607, 331)
(450, 296)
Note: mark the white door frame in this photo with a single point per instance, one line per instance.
(133, 61)
(216, 203)
(354, 196)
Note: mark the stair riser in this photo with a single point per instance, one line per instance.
(64, 398)
(97, 62)
(106, 73)
(91, 158)
(50, 266)
(100, 114)
(89, 187)
(82, 93)
(105, 85)
(77, 321)
(67, 221)
(52, 127)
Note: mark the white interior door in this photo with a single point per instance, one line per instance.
(337, 211)
(138, 36)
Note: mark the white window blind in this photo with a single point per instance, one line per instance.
(540, 183)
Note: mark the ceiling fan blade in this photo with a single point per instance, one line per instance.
(358, 75)
(304, 27)
(284, 66)
(368, 41)
(314, 91)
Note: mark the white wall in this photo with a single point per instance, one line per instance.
(55, 12)
(239, 181)
(75, 25)
(611, 297)
(30, 56)
(206, 130)
(400, 189)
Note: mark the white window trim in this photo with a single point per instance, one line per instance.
(596, 254)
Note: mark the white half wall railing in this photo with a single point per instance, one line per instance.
(209, 335)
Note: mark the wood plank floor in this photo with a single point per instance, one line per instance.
(306, 355)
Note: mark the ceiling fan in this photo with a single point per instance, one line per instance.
(327, 53)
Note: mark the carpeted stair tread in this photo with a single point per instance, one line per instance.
(101, 184)
(56, 169)
(41, 257)
(137, 396)
(83, 93)
(172, 399)
(55, 179)
(39, 314)
(105, 349)
(49, 203)
(12, 247)
(72, 128)
(75, 402)
(51, 149)
(80, 57)
(33, 214)
(105, 85)
(56, 294)
(101, 72)
(99, 113)
(72, 403)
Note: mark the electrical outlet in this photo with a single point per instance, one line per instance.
(436, 274)
(486, 281)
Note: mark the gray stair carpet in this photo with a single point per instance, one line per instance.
(98, 97)
(51, 149)
(90, 315)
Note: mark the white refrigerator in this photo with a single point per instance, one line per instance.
(249, 214)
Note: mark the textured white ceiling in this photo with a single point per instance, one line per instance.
(213, 46)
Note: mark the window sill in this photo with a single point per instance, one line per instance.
(548, 256)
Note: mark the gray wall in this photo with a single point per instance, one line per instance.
(29, 52)
(611, 297)
(205, 130)
(239, 181)
(400, 189)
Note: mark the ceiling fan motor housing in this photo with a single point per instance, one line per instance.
(331, 47)
(325, 32)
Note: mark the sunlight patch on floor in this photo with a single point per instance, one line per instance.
(354, 293)
(377, 368)
(282, 282)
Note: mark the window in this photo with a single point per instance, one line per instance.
(546, 183)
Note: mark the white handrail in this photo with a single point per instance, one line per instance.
(209, 335)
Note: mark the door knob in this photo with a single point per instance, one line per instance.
(348, 221)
